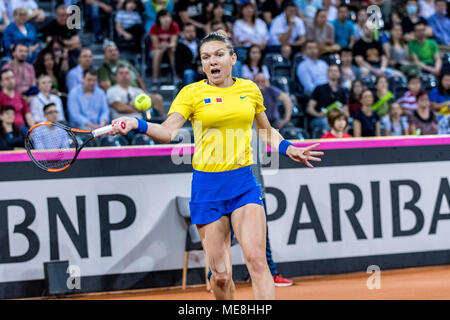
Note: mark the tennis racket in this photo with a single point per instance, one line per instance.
(54, 147)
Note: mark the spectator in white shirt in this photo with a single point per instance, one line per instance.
(330, 9)
(121, 96)
(249, 29)
(287, 29)
(44, 98)
(312, 71)
(427, 8)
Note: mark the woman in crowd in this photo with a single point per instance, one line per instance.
(46, 64)
(440, 96)
(253, 64)
(394, 123)
(164, 34)
(361, 19)
(383, 96)
(128, 25)
(396, 49)
(366, 123)
(60, 54)
(349, 72)
(423, 121)
(249, 29)
(354, 101)
(218, 15)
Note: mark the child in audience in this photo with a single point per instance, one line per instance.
(338, 121)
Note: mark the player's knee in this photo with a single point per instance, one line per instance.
(256, 262)
(222, 278)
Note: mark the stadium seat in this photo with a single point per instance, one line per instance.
(146, 55)
(193, 241)
(399, 92)
(294, 133)
(301, 100)
(110, 141)
(296, 60)
(297, 112)
(369, 81)
(241, 53)
(445, 58)
(142, 140)
(83, 138)
(296, 88)
(278, 65)
(396, 82)
(317, 133)
(331, 58)
(428, 81)
(281, 83)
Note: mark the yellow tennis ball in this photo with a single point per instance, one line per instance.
(142, 102)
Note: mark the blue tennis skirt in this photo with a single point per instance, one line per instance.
(214, 194)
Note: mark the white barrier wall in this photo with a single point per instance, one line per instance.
(120, 219)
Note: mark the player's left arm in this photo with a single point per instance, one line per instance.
(273, 138)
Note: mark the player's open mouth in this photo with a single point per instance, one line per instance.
(215, 72)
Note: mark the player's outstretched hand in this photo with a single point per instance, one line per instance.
(304, 154)
(123, 125)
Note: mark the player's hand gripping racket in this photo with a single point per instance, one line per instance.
(54, 147)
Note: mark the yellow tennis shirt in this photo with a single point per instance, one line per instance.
(222, 121)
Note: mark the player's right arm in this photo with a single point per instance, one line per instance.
(180, 111)
(163, 132)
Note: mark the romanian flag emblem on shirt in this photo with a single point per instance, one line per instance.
(212, 100)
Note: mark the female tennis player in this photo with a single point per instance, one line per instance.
(222, 110)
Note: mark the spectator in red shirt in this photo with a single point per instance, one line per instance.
(338, 121)
(164, 34)
(8, 96)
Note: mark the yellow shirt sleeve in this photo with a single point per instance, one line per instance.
(183, 103)
(259, 101)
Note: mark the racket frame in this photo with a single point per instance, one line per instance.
(71, 131)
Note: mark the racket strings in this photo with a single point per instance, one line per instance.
(51, 147)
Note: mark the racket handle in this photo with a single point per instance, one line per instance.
(102, 131)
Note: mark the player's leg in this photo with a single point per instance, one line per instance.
(171, 53)
(157, 55)
(249, 225)
(216, 242)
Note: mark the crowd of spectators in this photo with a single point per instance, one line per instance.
(322, 65)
